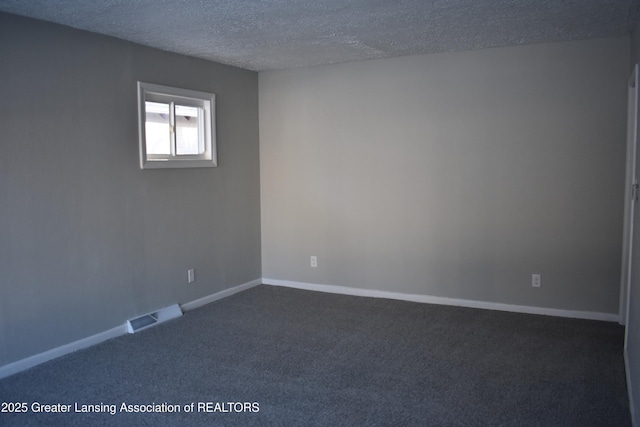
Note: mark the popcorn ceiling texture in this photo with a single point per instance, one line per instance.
(278, 34)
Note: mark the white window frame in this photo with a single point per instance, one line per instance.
(205, 100)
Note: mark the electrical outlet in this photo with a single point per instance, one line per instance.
(314, 261)
(191, 275)
(536, 279)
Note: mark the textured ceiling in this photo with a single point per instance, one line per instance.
(277, 34)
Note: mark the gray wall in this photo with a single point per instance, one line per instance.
(454, 175)
(87, 239)
(633, 321)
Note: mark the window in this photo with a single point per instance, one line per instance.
(176, 127)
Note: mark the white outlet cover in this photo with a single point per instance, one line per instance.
(536, 280)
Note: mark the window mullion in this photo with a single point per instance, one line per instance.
(172, 126)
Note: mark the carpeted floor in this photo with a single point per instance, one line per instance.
(309, 358)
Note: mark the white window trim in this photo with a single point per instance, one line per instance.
(155, 92)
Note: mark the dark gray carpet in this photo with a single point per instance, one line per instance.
(310, 358)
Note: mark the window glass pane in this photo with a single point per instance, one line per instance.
(157, 128)
(187, 130)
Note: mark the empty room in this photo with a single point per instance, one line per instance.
(340, 212)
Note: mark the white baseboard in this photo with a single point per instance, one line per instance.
(575, 314)
(219, 295)
(30, 362)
